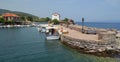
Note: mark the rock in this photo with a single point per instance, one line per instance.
(109, 48)
(70, 21)
(91, 51)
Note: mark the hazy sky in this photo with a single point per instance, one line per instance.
(91, 10)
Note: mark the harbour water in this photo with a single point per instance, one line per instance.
(29, 45)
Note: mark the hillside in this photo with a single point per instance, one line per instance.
(22, 14)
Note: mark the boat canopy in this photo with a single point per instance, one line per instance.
(51, 27)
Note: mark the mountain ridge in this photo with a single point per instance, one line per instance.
(22, 14)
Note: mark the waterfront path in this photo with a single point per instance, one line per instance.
(78, 35)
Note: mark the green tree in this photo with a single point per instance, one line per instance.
(2, 20)
(43, 19)
(29, 18)
(22, 18)
(47, 19)
(65, 20)
(55, 21)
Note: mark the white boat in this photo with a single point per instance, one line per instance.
(52, 37)
(52, 33)
(8, 26)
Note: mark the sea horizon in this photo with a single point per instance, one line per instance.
(105, 25)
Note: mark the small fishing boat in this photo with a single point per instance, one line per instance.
(42, 27)
(52, 33)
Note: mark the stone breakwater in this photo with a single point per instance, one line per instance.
(91, 46)
(101, 43)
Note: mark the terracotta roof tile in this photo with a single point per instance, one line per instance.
(9, 15)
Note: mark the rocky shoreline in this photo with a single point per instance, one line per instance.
(90, 46)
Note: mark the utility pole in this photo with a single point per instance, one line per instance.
(82, 25)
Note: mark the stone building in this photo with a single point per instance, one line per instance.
(10, 16)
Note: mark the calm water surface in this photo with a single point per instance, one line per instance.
(29, 45)
(101, 25)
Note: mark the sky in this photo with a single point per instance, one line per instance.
(91, 10)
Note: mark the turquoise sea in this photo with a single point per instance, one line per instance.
(29, 45)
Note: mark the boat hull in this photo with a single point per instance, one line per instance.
(52, 37)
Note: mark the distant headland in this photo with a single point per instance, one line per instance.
(13, 16)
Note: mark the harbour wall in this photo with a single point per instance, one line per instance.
(91, 46)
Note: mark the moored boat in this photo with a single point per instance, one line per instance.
(52, 37)
(52, 33)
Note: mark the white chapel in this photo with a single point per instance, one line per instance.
(55, 16)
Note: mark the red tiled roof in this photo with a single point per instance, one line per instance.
(10, 14)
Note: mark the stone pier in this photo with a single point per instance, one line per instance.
(103, 42)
